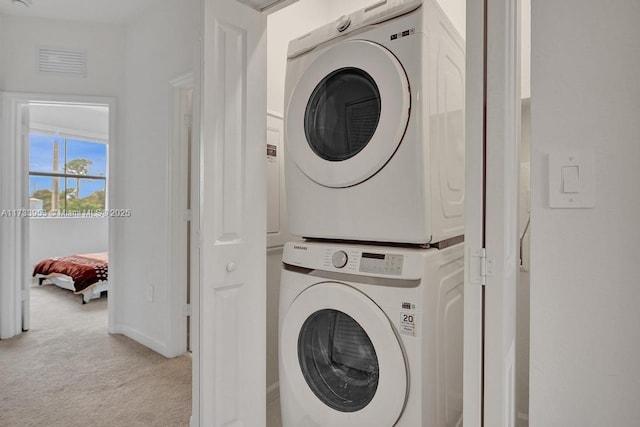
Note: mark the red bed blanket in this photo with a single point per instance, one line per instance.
(84, 269)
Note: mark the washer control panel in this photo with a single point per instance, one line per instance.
(381, 263)
(358, 260)
(355, 261)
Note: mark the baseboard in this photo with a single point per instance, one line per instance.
(273, 393)
(145, 340)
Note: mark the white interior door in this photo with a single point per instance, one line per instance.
(492, 129)
(229, 367)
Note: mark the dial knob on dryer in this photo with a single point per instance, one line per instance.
(339, 259)
(343, 23)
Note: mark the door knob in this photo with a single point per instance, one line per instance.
(231, 267)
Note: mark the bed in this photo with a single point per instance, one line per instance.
(84, 274)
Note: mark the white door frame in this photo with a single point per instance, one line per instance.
(474, 223)
(503, 108)
(14, 249)
(14, 228)
(491, 237)
(177, 167)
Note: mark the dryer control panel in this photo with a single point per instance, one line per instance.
(380, 11)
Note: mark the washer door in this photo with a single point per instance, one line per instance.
(348, 113)
(342, 358)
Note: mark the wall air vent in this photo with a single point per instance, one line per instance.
(67, 62)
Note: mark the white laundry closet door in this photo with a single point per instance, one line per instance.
(491, 228)
(229, 368)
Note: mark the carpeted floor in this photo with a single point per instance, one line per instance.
(68, 371)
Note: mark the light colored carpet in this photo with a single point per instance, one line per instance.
(68, 371)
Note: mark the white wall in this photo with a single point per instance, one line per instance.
(22, 36)
(585, 293)
(159, 47)
(72, 120)
(277, 218)
(51, 237)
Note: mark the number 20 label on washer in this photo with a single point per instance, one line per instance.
(408, 323)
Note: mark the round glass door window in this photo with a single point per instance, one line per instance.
(342, 114)
(338, 360)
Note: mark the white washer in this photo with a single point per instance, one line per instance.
(371, 336)
(374, 127)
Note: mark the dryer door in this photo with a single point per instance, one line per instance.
(343, 359)
(348, 113)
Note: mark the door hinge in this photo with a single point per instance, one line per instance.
(188, 215)
(480, 267)
(186, 310)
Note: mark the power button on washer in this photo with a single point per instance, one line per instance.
(339, 259)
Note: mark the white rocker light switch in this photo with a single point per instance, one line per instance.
(572, 179)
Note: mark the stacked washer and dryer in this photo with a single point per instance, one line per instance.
(371, 301)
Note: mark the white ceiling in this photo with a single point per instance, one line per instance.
(71, 120)
(106, 11)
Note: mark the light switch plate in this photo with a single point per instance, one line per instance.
(585, 197)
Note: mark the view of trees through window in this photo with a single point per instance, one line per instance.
(66, 175)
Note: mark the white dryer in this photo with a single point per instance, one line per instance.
(371, 336)
(374, 127)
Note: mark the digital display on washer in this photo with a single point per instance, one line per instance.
(381, 263)
(373, 256)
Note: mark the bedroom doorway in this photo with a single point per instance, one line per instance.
(67, 179)
(61, 173)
